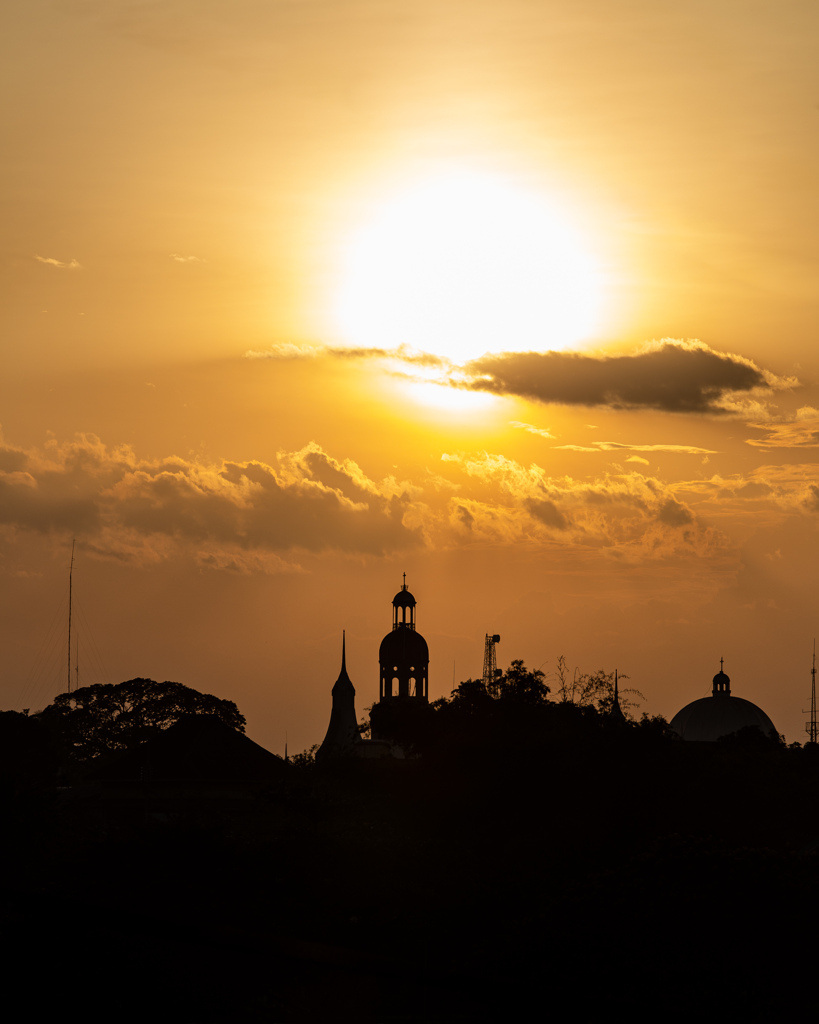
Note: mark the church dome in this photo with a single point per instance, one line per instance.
(401, 646)
(712, 717)
(709, 718)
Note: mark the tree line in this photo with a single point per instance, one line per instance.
(516, 699)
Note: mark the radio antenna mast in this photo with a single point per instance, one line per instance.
(490, 665)
(70, 583)
(811, 727)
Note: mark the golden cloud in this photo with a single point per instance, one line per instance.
(132, 508)
(803, 432)
(72, 264)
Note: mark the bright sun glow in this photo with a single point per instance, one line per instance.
(466, 264)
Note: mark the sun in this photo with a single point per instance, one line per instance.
(466, 263)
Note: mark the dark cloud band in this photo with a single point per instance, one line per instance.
(673, 377)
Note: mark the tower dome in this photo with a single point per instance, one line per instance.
(403, 599)
(710, 718)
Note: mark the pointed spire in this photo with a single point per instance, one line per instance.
(342, 732)
(616, 710)
(343, 682)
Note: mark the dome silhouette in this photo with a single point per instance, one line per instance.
(710, 718)
(403, 599)
(403, 645)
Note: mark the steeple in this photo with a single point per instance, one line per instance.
(342, 732)
(616, 710)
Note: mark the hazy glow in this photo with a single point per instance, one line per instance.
(465, 264)
(450, 399)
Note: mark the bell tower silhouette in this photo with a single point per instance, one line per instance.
(404, 656)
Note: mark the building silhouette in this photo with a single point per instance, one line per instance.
(342, 733)
(404, 655)
(709, 718)
(403, 686)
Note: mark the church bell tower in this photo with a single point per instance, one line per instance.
(403, 655)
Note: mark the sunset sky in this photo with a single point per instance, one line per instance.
(519, 298)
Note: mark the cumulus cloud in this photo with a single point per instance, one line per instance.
(465, 517)
(72, 264)
(811, 501)
(627, 516)
(673, 376)
(12, 460)
(144, 509)
(547, 512)
(766, 497)
(673, 513)
(251, 517)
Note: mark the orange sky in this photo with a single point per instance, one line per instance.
(245, 475)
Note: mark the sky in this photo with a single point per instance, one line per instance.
(518, 298)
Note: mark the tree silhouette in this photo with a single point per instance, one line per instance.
(104, 718)
(592, 689)
(516, 684)
(520, 684)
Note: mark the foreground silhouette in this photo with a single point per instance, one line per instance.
(100, 720)
(539, 854)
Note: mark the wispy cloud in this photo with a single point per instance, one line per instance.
(72, 264)
(616, 446)
(179, 258)
(294, 351)
(287, 351)
(538, 431)
(802, 432)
